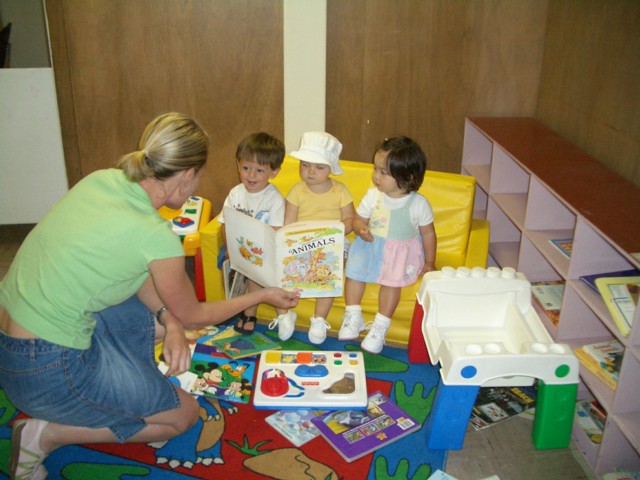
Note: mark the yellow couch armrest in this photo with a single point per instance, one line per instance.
(210, 245)
(478, 249)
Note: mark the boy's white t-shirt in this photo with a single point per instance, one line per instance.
(266, 205)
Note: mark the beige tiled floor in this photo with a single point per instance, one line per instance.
(505, 450)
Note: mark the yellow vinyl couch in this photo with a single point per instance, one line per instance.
(462, 241)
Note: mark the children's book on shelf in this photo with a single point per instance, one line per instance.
(235, 284)
(620, 295)
(591, 279)
(295, 425)
(219, 376)
(548, 296)
(564, 245)
(304, 256)
(608, 375)
(608, 355)
(355, 433)
(587, 422)
(241, 346)
(496, 404)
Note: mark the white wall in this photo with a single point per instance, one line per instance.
(305, 32)
(32, 170)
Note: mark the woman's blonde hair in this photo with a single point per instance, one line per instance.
(169, 144)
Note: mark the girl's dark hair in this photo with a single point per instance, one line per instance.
(262, 148)
(406, 162)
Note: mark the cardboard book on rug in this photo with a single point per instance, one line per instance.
(496, 404)
(304, 256)
(356, 433)
(242, 346)
(221, 377)
(295, 425)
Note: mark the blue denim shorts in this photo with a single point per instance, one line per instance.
(115, 383)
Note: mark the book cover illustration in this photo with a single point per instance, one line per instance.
(588, 362)
(620, 295)
(496, 404)
(302, 256)
(355, 433)
(221, 377)
(241, 346)
(548, 295)
(608, 355)
(564, 245)
(587, 422)
(295, 425)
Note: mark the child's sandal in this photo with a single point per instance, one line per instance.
(246, 322)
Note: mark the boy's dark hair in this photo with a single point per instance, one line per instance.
(406, 162)
(261, 148)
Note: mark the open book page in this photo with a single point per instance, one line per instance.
(303, 256)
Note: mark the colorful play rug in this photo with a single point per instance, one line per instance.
(234, 441)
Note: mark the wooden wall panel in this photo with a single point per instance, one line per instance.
(418, 68)
(590, 83)
(127, 61)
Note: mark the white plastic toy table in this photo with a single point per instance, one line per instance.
(480, 326)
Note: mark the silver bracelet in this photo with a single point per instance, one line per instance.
(159, 313)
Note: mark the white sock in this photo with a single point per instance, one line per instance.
(382, 320)
(353, 308)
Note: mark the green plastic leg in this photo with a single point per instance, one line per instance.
(555, 408)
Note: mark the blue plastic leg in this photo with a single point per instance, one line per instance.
(447, 423)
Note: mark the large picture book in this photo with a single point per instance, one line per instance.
(304, 256)
(620, 295)
(355, 433)
(496, 404)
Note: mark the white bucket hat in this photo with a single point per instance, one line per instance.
(320, 147)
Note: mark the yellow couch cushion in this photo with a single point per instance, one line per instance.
(451, 196)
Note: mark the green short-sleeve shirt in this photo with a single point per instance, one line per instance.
(91, 251)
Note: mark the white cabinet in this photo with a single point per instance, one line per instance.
(534, 186)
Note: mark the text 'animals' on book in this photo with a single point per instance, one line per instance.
(304, 256)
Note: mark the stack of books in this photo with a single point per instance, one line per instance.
(603, 359)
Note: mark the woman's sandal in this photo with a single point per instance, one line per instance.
(246, 321)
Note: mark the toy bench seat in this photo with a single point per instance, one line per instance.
(462, 241)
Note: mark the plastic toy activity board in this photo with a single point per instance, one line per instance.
(189, 219)
(324, 380)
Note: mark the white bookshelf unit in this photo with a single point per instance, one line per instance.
(534, 186)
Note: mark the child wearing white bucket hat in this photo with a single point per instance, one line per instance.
(316, 197)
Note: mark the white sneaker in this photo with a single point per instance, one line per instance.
(352, 325)
(374, 341)
(286, 325)
(318, 330)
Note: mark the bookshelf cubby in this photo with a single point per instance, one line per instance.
(534, 186)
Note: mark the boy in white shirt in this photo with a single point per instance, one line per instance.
(259, 158)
